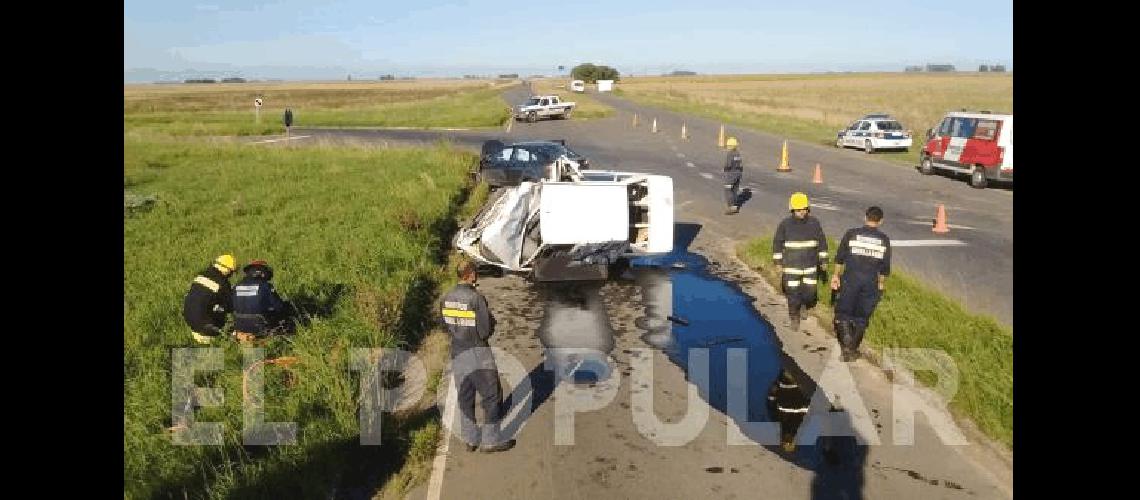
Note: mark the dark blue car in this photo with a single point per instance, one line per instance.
(508, 165)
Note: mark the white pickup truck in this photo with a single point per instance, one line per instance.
(543, 106)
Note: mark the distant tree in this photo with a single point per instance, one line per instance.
(998, 68)
(983, 68)
(591, 73)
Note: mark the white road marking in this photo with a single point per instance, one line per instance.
(929, 223)
(935, 204)
(707, 175)
(435, 486)
(690, 164)
(293, 138)
(826, 206)
(928, 243)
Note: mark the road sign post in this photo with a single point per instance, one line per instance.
(288, 118)
(257, 110)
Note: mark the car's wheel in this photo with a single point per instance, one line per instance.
(566, 115)
(839, 142)
(867, 147)
(531, 117)
(978, 178)
(927, 165)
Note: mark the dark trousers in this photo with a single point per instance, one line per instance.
(483, 380)
(799, 293)
(857, 299)
(731, 183)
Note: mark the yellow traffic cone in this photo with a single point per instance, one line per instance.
(784, 160)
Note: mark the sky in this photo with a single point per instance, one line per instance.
(319, 39)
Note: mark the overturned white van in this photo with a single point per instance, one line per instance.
(574, 225)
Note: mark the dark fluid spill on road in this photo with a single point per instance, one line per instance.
(687, 307)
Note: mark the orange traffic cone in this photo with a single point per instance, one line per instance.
(818, 177)
(940, 221)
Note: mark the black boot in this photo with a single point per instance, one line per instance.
(843, 331)
(856, 339)
(794, 314)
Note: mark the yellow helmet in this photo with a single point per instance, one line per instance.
(227, 261)
(798, 201)
(731, 142)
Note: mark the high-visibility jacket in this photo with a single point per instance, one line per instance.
(800, 246)
(208, 300)
(467, 318)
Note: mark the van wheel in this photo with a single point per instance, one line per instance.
(531, 117)
(927, 166)
(867, 147)
(978, 178)
(839, 143)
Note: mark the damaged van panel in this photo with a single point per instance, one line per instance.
(573, 228)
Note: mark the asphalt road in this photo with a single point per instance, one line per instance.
(719, 304)
(975, 265)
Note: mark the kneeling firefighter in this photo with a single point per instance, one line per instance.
(258, 310)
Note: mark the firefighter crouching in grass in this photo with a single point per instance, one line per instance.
(209, 300)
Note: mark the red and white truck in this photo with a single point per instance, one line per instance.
(977, 144)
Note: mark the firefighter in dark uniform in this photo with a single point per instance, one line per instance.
(799, 249)
(258, 310)
(209, 300)
(862, 265)
(733, 169)
(469, 322)
(788, 405)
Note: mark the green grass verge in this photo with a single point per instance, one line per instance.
(357, 237)
(913, 315)
(213, 116)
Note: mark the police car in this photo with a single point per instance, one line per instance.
(873, 133)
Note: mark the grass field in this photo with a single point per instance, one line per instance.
(912, 315)
(586, 107)
(357, 239)
(813, 108)
(227, 109)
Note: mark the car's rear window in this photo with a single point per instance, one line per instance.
(890, 125)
